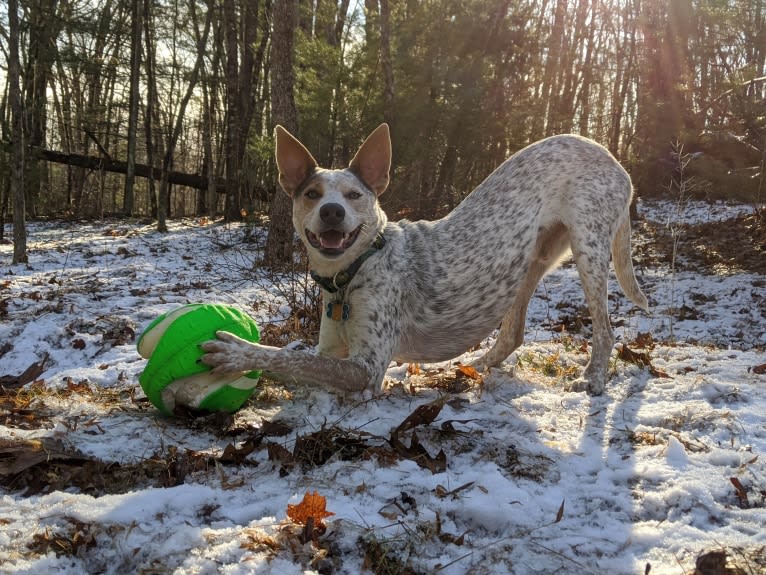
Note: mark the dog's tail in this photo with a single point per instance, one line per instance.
(623, 265)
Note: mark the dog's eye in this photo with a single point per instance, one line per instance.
(313, 194)
(353, 195)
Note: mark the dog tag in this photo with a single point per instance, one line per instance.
(338, 310)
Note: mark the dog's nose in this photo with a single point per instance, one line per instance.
(332, 214)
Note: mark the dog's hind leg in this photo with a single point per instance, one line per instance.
(552, 244)
(593, 268)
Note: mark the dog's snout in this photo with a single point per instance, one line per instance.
(332, 214)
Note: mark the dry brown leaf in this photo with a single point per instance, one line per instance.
(423, 415)
(29, 375)
(644, 340)
(658, 372)
(313, 506)
(237, 455)
(467, 371)
(640, 359)
(741, 492)
(560, 513)
(760, 369)
(278, 453)
(81, 387)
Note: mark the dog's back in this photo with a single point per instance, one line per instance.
(463, 268)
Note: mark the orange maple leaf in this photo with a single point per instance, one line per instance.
(313, 505)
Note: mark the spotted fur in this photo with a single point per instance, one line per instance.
(438, 288)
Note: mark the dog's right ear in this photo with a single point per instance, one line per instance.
(294, 161)
(372, 161)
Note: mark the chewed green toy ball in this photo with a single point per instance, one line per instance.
(173, 375)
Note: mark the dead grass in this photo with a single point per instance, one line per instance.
(551, 365)
(731, 561)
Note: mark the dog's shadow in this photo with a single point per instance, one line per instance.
(575, 464)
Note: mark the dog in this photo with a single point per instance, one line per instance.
(428, 291)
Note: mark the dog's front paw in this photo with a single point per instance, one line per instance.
(228, 353)
(588, 385)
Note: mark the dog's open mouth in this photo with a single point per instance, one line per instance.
(333, 242)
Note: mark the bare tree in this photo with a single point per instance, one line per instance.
(279, 242)
(385, 62)
(17, 131)
(135, 71)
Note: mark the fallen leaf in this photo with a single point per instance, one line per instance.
(760, 369)
(423, 415)
(237, 455)
(417, 453)
(274, 428)
(29, 375)
(81, 387)
(640, 359)
(560, 512)
(658, 372)
(467, 371)
(279, 453)
(644, 340)
(740, 491)
(313, 506)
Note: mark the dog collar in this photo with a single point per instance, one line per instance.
(341, 279)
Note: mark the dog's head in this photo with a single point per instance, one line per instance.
(335, 212)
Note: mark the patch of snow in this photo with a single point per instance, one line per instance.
(644, 472)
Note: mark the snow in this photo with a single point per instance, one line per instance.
(644, 473)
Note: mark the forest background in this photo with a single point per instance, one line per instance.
(166, 108)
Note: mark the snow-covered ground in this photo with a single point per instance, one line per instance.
(666, 467)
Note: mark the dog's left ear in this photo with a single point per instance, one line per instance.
(372, 161)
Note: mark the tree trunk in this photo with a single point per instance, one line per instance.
(17, 131)
(385, 63)
(233, 168)
(135, 72)
(279, 242)
(548, 97)
(151, 113)
(215, 163)
(43, 23)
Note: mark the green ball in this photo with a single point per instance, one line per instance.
(174, 376)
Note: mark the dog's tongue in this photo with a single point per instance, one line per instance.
(332, 239)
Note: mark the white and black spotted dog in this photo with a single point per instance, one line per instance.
(429, 291)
